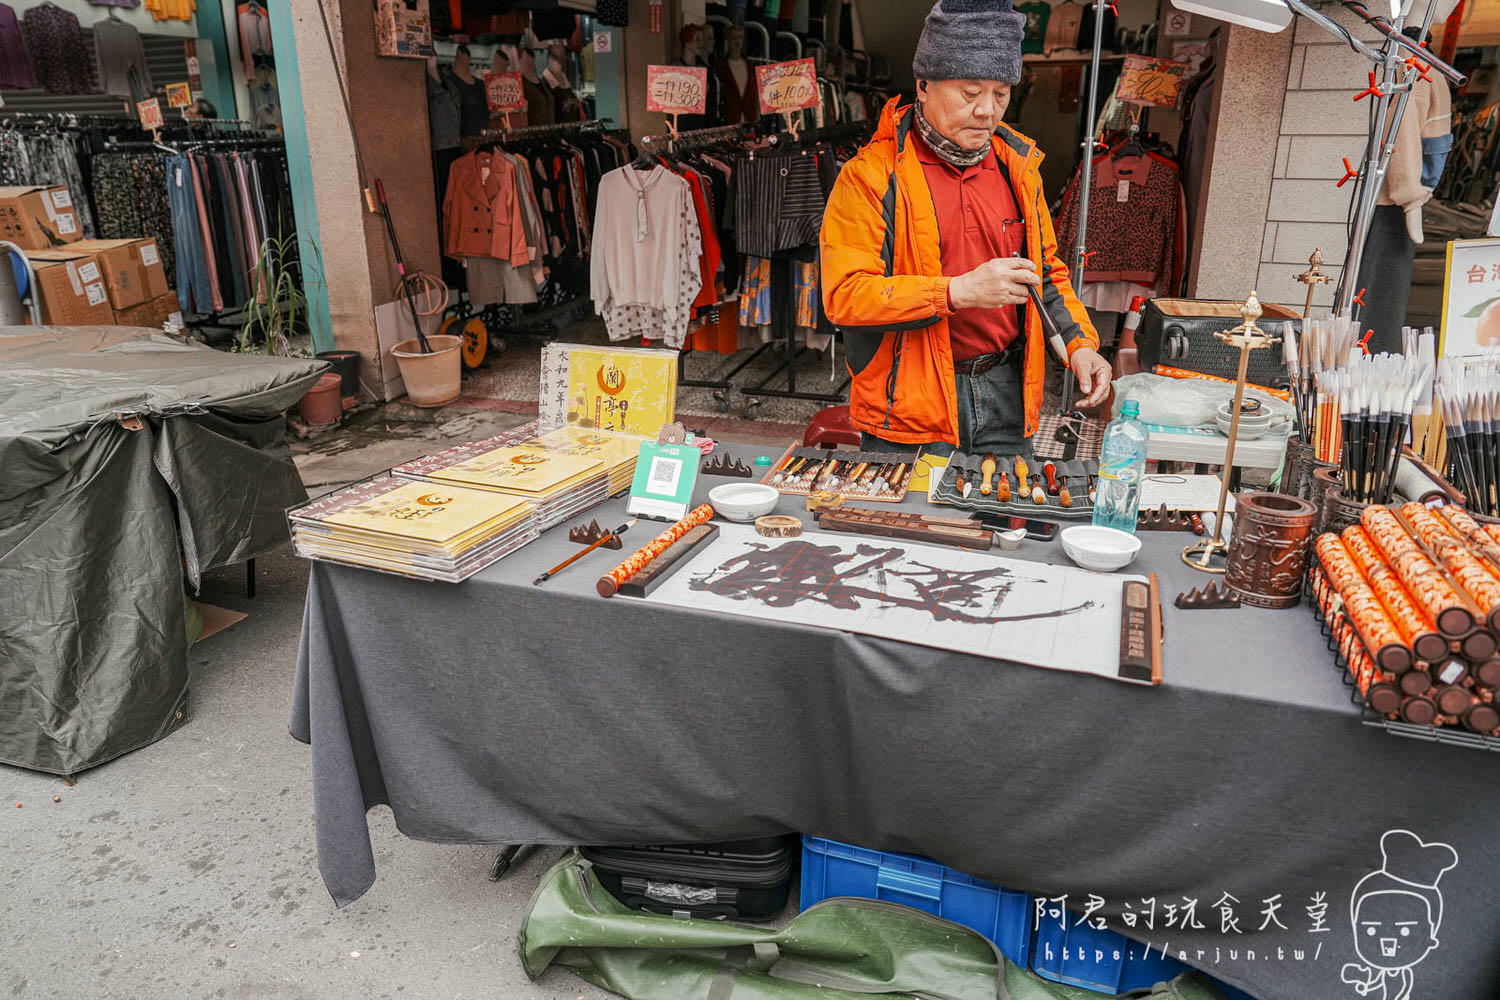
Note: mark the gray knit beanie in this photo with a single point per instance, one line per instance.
(971, 40)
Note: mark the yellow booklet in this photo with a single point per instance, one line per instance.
(620, 389)
(428, 513)
(527, 471)
(611, 449)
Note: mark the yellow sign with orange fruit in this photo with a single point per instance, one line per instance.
(1471, 297)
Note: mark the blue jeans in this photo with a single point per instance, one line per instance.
(991, 417)
(193, 291)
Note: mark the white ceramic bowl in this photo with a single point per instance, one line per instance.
(743, 501)
(1101, 549)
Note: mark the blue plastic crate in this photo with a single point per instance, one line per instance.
(830, 868)
(1066, 951)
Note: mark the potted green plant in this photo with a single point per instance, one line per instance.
(278, 308)
(276, 312)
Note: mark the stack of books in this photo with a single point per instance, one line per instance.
(561, 486)
(415, 529)
(617, 452)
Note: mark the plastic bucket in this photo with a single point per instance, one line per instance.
(431, 379)
(346, 364)
(323, 403)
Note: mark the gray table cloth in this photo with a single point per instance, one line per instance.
(495, 711)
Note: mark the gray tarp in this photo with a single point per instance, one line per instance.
(99, 522)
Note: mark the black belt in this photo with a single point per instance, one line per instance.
(976, 366)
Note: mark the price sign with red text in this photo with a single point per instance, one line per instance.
(677, 90)
(149, 113)
(503, 92)
(1149, 80)
(179, 95)
(787, 87)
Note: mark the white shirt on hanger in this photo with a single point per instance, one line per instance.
(644, 276)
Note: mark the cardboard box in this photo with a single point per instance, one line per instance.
(133, 271)
(72, 288)
(152, 313)
(36, 218)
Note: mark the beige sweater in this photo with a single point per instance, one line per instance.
(1429, 113)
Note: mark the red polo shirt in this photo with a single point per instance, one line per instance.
(978, 220)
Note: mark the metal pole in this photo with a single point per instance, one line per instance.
(1378, 151)
(1085, 184)
(1086, 181)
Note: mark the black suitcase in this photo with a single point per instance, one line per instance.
(740, 880)
(1180, 333)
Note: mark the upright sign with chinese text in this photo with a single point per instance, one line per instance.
(149, 113)
(787, 87)
(677, 90)
(503, 92)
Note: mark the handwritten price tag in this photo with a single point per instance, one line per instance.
(1148, 80)
(787, 87)
(179, 95)
(150, 113)
(677, 90)
(503, 92)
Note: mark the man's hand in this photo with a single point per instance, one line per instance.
(995, 283)
(1093, 375)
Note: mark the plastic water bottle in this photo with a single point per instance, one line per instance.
(1122, 462)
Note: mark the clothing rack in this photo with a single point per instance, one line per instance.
(190, 144)
(689, 139)
(561, 128)
(786, 308)
(697, 136)
(783, 304)
(71, 119)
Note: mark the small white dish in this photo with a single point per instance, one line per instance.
(743, 501)
(1252, 425)
(1101, 549)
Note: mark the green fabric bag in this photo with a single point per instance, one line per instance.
(840, 949)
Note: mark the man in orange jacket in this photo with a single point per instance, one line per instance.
(933, 238)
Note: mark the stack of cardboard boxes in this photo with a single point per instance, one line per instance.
(84, 282)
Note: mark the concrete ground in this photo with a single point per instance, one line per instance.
(188, 869)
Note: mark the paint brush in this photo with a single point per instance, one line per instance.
(604, 540)
(1289, 354)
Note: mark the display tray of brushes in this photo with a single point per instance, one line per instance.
(864, 475)
(1008, 484)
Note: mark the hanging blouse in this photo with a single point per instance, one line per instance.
(644, 272)
(1135, 231)
(15, 63)
(118, 48)
(172, 10)
(59, 52)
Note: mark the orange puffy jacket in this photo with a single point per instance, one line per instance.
(883, 285)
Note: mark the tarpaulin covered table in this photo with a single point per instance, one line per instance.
(127, 457)
(1243, 793)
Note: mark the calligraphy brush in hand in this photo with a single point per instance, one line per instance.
(604, 540)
